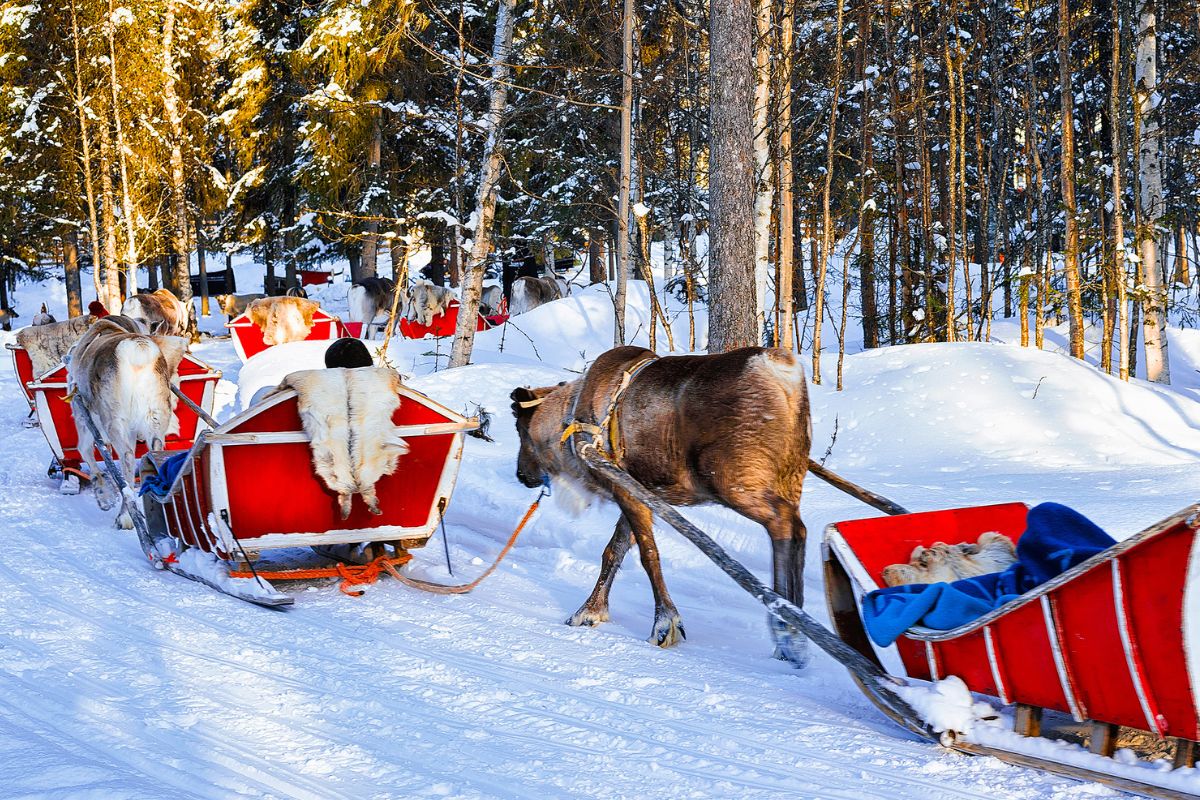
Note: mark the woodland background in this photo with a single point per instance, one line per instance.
(916, 169)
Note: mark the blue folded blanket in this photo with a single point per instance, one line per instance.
(159, 484)
(1056, 538)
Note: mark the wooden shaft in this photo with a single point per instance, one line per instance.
(854, 490)
(776, 604)
(187, 401)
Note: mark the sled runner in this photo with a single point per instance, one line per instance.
(1112, 643)
(249, 486)
(197, 381)
(248, 337)
(444, 324)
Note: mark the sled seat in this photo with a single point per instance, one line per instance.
(249, 485)
(23, 369)
(1115, 640)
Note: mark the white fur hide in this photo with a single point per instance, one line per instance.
(347, 414)
(47, 344)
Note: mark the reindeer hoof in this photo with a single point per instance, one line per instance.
(790, 645)
(105, 498)
(587, 617)
(668, 631)
(124, 521)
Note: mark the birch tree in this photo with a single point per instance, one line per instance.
(1150, 197)
(489, 178)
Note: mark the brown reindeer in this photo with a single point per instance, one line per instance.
(731, 428)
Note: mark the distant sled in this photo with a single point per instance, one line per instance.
(248, 337)
(248, 487)
(446, 323)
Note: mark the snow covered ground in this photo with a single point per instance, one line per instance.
(118, 681)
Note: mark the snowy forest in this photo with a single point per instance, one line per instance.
(1036, 159)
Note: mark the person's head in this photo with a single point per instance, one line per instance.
(97, 309)
(349, 353)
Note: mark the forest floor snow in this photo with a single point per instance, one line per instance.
(119, 681)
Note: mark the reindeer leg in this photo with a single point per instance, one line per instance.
(788, 538)
(668, 626)
(595, 609)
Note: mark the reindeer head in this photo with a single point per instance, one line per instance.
(538, 414)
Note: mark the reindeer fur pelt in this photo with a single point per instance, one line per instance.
(347, 413)
(283, 319)
(47, 344)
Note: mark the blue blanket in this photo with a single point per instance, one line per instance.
(1056, 538)
(159, 484)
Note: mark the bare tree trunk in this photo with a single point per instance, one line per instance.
(369, 266)
(70, 245)
(86, 147)
(1067, 176)
(623, 232)
(826, 216)
(131, 255)
(596, 267)
(489, 178)
(1150, 198)
(1120, 269)
(108, 221)
(762, 161)
(180, 221)
(866, 219)
(955, 113)
(731, 266)
(202, 267)
(785, 269)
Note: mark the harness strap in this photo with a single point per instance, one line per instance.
(607, 434)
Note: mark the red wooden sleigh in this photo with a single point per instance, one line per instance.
(249, 486)
(248, 337)
(446, 323)
(1114, 641)
(197, 380)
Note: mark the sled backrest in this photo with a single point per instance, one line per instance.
(261, 466)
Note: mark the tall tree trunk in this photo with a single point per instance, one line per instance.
(1120, 268)
(108, 221)
(1150, 198)
(866, 220)
(1067, 176)
(202, 268)
(180, 219)
(623, 232)
(596, 267)
(787, 226)
(762, 161)
(826, 215)
(489, 178)
(131, 253)
(370, 249)
(80, 100)
(731, 266)
(70, 244)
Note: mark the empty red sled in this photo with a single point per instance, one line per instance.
(249, 485)
(197, 380)
(248, 337)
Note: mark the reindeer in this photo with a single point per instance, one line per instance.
(731, 428)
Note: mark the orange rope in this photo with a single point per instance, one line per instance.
(463, 588)
(351, 574)
(358, 574)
